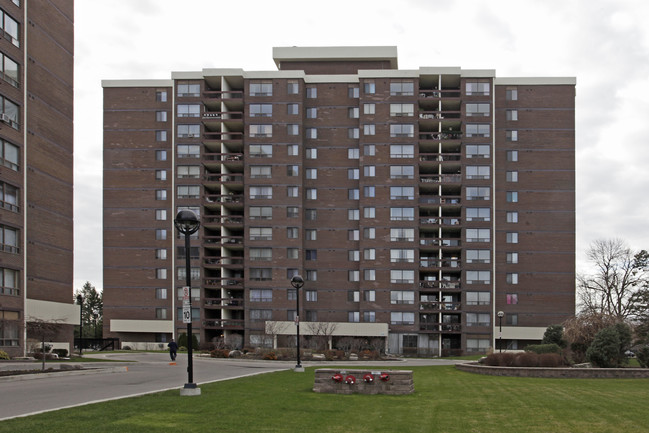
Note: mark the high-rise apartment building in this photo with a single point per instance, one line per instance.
(36, 159)
(416, 204)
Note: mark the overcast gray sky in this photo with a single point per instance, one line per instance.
(604, 43)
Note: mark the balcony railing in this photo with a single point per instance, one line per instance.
(440, 178)
(432, 157)
(426, 199)
(223, 157)
(440, 115)
(440, 306)
(224, 198)
(224, 324)
(223, 115)
(440, 221)
(437, 94)
(224, 178)
(223, 282)
(223, 261)
(228, 94)
(224, 302)
(440, 136)
(223, 136)
(223, 219)
(437, 327)
(455, 284)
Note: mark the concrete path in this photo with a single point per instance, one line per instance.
(146, 373)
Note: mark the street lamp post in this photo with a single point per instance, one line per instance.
(95, 314)
(80, 302)
(297, 282)
(500, 325)
(187, 223)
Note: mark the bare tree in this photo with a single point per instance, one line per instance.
(321, 331)
(44, 331)
(620, 275)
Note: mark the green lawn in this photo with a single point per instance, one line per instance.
(445, 400)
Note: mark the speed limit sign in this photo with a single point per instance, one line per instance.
(187, 314)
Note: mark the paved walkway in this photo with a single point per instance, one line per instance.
(146, 373)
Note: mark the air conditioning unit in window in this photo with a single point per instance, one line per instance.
(5, 118)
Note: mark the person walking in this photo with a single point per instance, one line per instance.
(173, 348)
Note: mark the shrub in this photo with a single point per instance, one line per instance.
(63, 353)
(500, 359)
(603, 352)
(554, 335)
(220, 353)
(182, 341)
(543, 348)
(269, 356)
(4, 355)
(550, 360)
(643, 356)
(525, 359)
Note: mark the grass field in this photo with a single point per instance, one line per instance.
(445, 400)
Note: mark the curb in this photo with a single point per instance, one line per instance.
(84, 372)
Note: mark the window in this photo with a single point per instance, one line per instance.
(402, 110)
(161, 274)
(261, 274)
(478, 319)
(9, 70)
(512, 237)
(312, 113)
(189, 171)
(293, 109)
(311, 275)
(10, 112)
(292, 87)
(512, 298)
(402, 172)
(161, 254)
(189, 110)
(353, 92)
(512, 115)
(512, 176)
(353, 153)
(353, 133)
(292, 253)
(311, 194)
(511, 94)
(9, 282)
(478, 256)
(261, 110)
(402, 214)
(9, 197)
(194, 252)
(353, 112)
(311, 295)
(161, 96)
(369, 171)
(10, 28)
(369, 274)
(402, 88)
(189, 131)
(161, 293)
(292, 129)
(511, 135)
(369, 150)
(311, 92)
(194, 273)
(261, 192)
(261, 88)
(311, 316)
(9, 155)
(478, 171)
(261, 150)
(353, 214)
(477, 151)
(369, 191)
(477, 344)
(478, 214)
(311, 153)
(369, 254)
(161, 214)
(477, 88)
(478, 298)
(480, 110)
(402, 193)
(161, 155)
(311, 133)
(477, 130)
(292, 191)
(511, 319)
(353, 255)
(354, 276)
(369, 233)
(260, 315)
(478, 277)
(402, 234)
(402, 318)
(261, 233)
(369, 295)
(512, 278)
(512, 155)
(292, 232)
(160, 313)
(292, 211)
(292, 170)
(402, 151)
(512, 258)
(189, 151)
(187, 89)
(353, 173)
(369, 129)
(353, 296)
(161, 174)
(161, 194)
(512, 196)
(311, 234)
(352, 235)
(478, 235)
(369, 108)
(261, 254)
(402, 130)
(478, 192)
(402, 276)
(353, 194)
(261, 212)
(261, 295)
(369, 87)
(402, 256)
(369, 316)
(369, 212)
(260, 130)
(189, 191)
(353, 316)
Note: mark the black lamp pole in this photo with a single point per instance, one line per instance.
(500, 325)
(187, 223)
(297, 282)
(80, 302)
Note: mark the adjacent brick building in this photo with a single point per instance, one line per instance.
(36, 158)
(416, 204)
